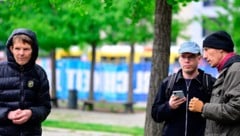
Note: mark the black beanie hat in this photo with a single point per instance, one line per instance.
(219, 40)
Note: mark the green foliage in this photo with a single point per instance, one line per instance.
(57, 24)
(42, 17)
(140, 9)
(177, 27)
(177, 3)
(64, 23)
(230, 16)
(80, 22)
(130, 21)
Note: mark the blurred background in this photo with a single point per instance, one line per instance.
(102, 50)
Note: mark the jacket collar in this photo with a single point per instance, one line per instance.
(231, 60)
(198, 78)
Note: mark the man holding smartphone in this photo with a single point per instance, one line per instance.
(170, 107)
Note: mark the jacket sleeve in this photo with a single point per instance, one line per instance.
(3, 114)
(225, 102)
(160, 108)
(43, 108)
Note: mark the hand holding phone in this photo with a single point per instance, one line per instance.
(178, 93)
(176, 99)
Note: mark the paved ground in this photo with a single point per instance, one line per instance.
(65, 132)
(120, 119)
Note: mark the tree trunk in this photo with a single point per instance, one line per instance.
(160, 60)
(53, 85)
(91, 91)
(129, 106)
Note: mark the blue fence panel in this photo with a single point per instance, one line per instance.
(141, 81)
(110, 80)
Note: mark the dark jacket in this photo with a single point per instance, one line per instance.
(223, 111)
(175, 121)
(24, 87)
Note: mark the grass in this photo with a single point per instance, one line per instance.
(101, 106)
(134, 131)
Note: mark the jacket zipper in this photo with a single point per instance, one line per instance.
(186, 115)
(21, 89)
(21, 105)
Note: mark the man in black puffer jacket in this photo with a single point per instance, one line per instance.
(24, 87)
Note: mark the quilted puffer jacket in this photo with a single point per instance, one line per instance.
(24, 87)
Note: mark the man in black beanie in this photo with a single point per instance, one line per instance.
(223, 111)
(219, 40)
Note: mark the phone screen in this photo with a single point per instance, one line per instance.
(178, 93)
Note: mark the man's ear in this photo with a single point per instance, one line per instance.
(11, 48)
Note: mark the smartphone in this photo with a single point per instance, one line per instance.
(178, 93)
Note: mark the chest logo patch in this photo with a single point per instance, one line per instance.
(30, 84)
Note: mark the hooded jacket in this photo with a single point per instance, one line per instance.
(24, 87)
(223, 111)
(182, 122)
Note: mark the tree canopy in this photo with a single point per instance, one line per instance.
(74, 22)
(228, 14)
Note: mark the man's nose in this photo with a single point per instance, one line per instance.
(21, 52)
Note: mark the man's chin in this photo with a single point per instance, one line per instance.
(212, 65)
(21, 63)
(190, 71)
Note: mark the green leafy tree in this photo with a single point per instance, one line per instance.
(93, 23)
(54, 22)
(160, 58)
(41, 16)
(229, 16)
(62, 24)
(131, 23)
